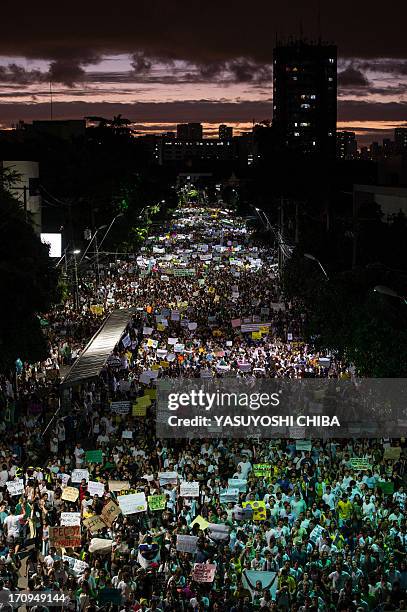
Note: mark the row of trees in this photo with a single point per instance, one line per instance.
(29, 283)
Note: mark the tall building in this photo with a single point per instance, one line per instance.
(26, 188)
(346, 145)
(189, 131)
(400, 140)
(304, 96)
(225, 132)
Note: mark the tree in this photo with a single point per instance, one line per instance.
(345, 315)
(29, 284)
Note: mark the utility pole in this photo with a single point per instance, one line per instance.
(297, 223)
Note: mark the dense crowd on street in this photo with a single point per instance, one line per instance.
(94, 505)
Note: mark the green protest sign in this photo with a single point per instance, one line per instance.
(386, 487)
(356, 463)
(94, 456)
(157, 502)
(262, 470)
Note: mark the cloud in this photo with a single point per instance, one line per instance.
(200, 32)
(352, 77)
(140, 63)
(12, 73)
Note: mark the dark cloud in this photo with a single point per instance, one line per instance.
(140, 63)
(68, 72)
(12, 73)
(390, 66)
(355, 110)
(352, 77)
(200, 32)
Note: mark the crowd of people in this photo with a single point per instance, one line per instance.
(99, 508)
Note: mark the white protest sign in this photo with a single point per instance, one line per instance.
(316, 533)
(186, 543)
(166, 478)
(96, 488)
(79, 475)
(189, 489)
(15, 487)
(132, 503)
(70, 518)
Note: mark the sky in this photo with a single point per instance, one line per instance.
(161, 63)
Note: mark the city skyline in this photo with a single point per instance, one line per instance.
(160, 67)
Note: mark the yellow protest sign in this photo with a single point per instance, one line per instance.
(259, 509)
(139, 411)
(155, 366)
(144, 400)
(160, 327)
(203, 523)
(152, 393)
(264, 329)
(96, 309)
(70, 494)
(165, 364)
(256, 335)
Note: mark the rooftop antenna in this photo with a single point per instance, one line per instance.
(50, 94)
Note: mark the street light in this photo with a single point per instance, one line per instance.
(313, 258)
(91, 240)
(109, 228)
(387, 291)
(76, 252)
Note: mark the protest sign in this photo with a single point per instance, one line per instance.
(132, 503)
(100, 545)
(227, 496)
(120, 407)
(262, 470)
(65, 537)
(70, 494)
(157, 502)
(303, 445)
(96, 488)
(392, 452)
(186, 543)
(15, 487)
(204, 572)
(316, 533)
(110, 512)
(139, 410)
(94, 456)
(259, 509)
(94, 523)
(386, 487)
(199, 520)
(189, 489)
(127, 434)
(218, 532)
(166, 478)
(237, 483)
(79, 475)
(357, 463)
(118, 485)
(70, 518)
(76, 566)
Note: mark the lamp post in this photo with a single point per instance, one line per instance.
(75, 253)
(390, 292)
(109, 228)
(313, 258)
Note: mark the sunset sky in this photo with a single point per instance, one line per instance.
(161, 63)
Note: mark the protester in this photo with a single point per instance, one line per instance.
(312, 526)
